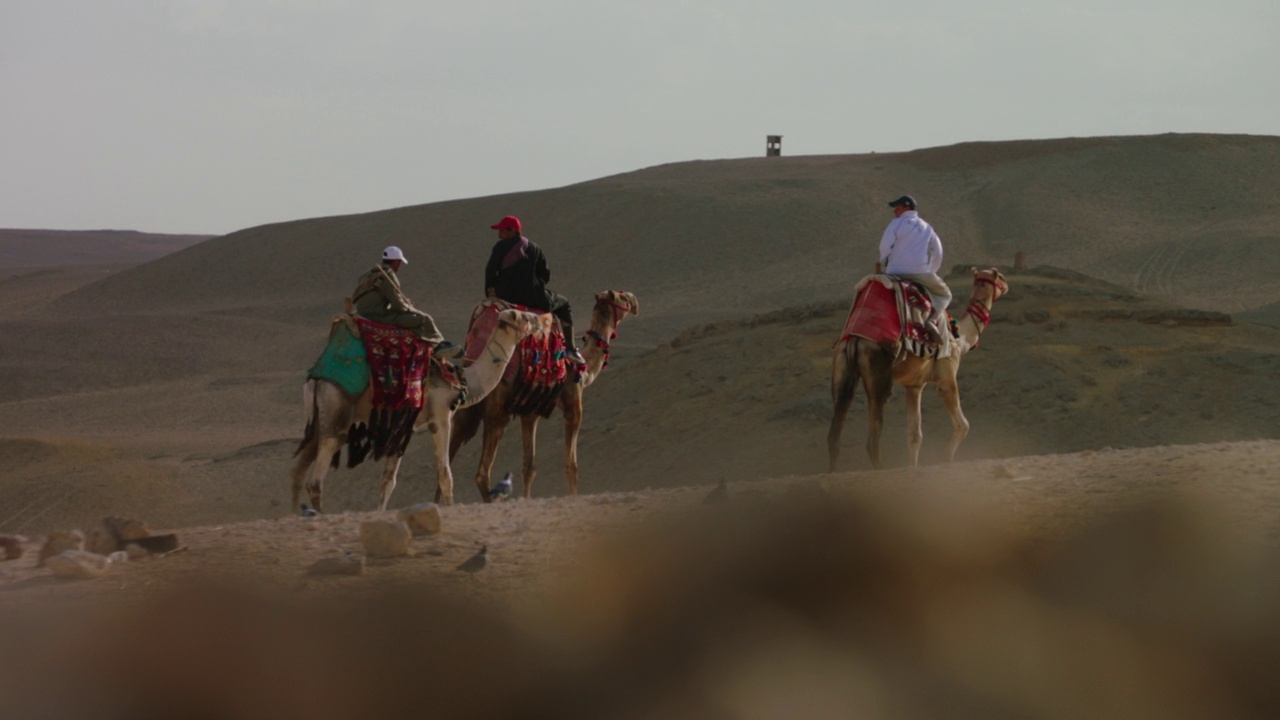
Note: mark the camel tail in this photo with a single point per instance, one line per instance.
(844, 383)
(313, 415)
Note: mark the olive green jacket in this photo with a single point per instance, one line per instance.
(378, 297)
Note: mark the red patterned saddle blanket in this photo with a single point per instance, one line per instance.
(887, 309)
(538, 368)
(398, 361)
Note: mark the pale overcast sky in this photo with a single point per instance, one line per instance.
(208, 116)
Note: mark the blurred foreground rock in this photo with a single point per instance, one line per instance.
(340, 565)
(78, 564)
(385, 538)
(13, 546)
(422, 519)
(60, 541)
(905, 605)
(154, 544)
(113, 532)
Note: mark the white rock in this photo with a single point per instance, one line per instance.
(77, 564)
(422, 519)
(385, 538)
(340, 565)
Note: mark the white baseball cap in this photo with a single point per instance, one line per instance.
(394, 253)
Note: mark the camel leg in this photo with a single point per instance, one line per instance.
(571, 408)
(437, 418)
(439, 427)
(297, 476)
(875, 425)
(495, 425)
(959, 424)
(878, 389)
(329, 416)
(529, 436)
(390, 468)
(844, 379)
(915, 431)
(325, 450)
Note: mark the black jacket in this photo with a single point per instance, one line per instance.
(518, 277)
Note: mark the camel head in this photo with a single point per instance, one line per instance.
(521, 322)
(613, 305)
(988, 285)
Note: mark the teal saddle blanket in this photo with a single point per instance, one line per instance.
(343, 361)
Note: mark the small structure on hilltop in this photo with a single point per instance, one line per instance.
(773, 145)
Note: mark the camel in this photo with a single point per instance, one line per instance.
(610, 308)
(880, 365)
(332, 413)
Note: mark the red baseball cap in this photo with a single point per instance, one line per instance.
(510, 222)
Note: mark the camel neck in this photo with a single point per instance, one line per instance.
(483, 375)
(596, 351)
(969, 326)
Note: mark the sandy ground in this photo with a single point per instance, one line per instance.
(531, 541)
(1126, 583)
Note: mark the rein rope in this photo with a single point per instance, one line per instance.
(604, 344)
(619, 311)
(493, 340)
(1000, 286)
(979, 311)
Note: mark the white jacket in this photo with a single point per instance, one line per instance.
(910, 246)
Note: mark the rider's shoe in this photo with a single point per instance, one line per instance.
(447, 350)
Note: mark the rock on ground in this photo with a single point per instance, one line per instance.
(385, 538)
(422, 519)
(77, 564)
(13, 546)
(340, 565)
(60, 541)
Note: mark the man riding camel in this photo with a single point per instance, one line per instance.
(517, 273)
(378, 297)
(911, 250)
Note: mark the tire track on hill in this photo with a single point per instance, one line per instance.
(1154, 276)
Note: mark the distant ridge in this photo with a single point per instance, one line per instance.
(47, 248)
(1171, 216)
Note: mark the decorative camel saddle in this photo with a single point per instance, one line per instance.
(395, 361)
(888, 309)
(538, 369)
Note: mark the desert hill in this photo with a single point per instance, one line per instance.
(60, 248)
(40, 266)
(1165, 216)
(172, 389)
